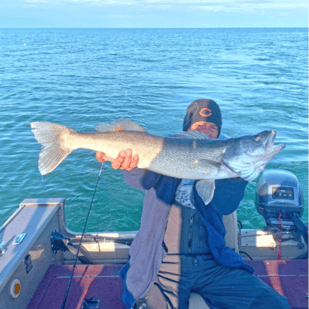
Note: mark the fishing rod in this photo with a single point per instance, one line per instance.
(80, 242)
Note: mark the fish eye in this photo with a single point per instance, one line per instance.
(257, 138)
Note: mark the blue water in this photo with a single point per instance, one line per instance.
(83, 77)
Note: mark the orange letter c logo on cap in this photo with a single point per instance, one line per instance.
(205, 112)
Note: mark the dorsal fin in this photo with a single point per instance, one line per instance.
(120, 124)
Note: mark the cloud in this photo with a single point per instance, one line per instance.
(236, 4)
(153, 13)
(230, 4)
(204, 5)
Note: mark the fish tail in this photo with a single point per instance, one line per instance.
(54, 139)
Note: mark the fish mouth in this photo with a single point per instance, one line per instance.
(267, 138)
(271, 138)
(270, 143)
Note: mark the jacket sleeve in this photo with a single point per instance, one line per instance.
(228, 195)
(142, 179)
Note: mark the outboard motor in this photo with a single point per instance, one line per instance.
(279, 199)
(279, 191)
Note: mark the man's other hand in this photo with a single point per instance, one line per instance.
(124, 160)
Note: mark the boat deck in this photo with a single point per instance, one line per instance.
(89, 281)
(101, 282)
(289, 278)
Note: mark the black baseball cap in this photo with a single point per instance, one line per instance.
(203, 110)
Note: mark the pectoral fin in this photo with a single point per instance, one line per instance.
(205, 189)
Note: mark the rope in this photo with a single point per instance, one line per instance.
(80, 242)
(280, 237)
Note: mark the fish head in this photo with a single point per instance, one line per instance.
(262, 144)
(249, 155)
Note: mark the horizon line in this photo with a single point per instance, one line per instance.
(232, 27)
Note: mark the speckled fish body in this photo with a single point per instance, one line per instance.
(189, 155)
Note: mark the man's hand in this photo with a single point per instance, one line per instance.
(124, 160)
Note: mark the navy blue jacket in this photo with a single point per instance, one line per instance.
(147, 250)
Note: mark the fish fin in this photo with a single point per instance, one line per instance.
(205, 189)
(192, 134)
(120, 124)
(52, 138)
(246, 171)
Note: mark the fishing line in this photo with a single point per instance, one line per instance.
(80, 242)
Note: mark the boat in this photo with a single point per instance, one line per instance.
(38, 252)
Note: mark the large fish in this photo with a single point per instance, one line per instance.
(188, 155)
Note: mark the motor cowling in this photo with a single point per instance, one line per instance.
(279, 199)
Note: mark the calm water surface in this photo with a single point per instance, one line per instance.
(84, 77)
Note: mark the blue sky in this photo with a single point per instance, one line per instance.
(152, 13)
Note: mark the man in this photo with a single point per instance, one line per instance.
(180, 245)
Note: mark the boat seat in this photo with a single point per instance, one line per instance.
(230, 223)
(197, 302)
(231, 228)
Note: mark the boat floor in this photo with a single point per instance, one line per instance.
(89, 281)
(289, 278)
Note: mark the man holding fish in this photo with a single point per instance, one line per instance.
(180, 247)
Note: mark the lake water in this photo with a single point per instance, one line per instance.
(83, 77)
